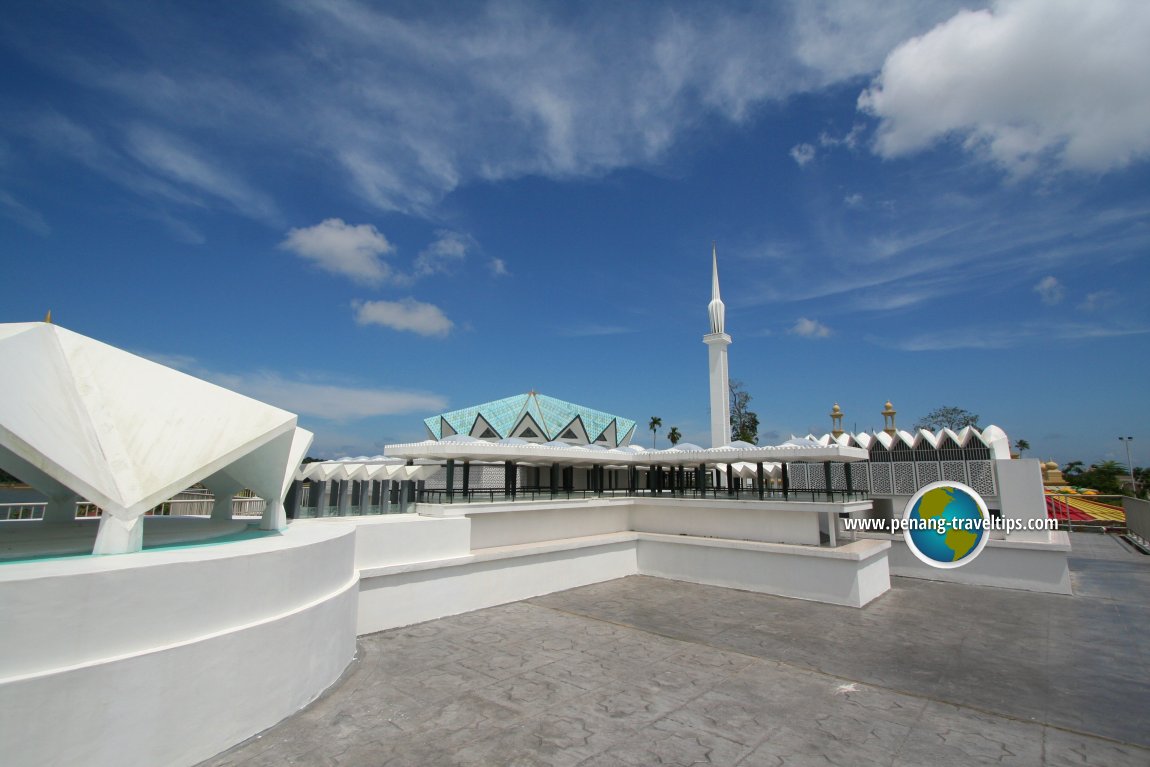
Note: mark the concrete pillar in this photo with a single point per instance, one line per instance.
(365, 488)
(120, 532)
(319, 491)
(344, 497)
(385, 496)
(274, 516)
(296, 498)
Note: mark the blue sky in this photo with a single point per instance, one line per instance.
(368, 213)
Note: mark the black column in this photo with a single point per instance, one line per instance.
(786, 483)
(827, 474)
(466, 480)
(450, 484)
(761, 478)
(730, 479)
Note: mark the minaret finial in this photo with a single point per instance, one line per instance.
(48, 317)
(716, 309)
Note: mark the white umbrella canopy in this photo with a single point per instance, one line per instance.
(80, 416)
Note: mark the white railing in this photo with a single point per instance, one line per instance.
(1137, 519)
(195, 506)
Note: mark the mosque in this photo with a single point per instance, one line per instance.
(243, 620)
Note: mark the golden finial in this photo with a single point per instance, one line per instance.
(48, 317)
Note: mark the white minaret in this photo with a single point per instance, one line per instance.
(717, 342)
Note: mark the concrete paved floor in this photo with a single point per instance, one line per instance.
(644, 671)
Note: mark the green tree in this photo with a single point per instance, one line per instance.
(656, 422)
(1103, 477)
(673, 436)
(1072, 469)
(949, 417)
(1021, 446)
(744, 422)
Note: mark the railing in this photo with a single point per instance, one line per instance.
(1137, 519)
(181, 507)
(1093, 513)
(535, 493)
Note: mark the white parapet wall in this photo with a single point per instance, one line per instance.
(1027, 564)
(850, 575)
(453, 558)
(170, 656)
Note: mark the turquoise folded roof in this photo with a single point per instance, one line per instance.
(552, 415)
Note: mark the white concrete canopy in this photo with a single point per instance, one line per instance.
(80, 417)
(578, 455)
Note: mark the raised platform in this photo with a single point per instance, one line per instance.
(171, 655)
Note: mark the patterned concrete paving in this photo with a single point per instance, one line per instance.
(644, 671)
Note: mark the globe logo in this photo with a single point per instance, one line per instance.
(946, 524)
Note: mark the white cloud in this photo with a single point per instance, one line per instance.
(168, 156)
(854, 200)
(802, 154)
(30, 219)
(408, 314)
(1027, 83)
(306, 395)
(498, 267)
(1098, 300)
(409, 107)
(1050, 290)
(444, 255)
(329, 401)
(341, 248)
(1032, 333)
(808, 328)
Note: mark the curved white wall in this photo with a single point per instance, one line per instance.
(168, 657)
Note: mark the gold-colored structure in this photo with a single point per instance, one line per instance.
(837, 421)
(888, 418)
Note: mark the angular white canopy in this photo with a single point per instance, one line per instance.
(82, 418)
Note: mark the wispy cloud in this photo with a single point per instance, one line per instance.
(308, 395)
(14, 210)
(1005, 337)
(581, 331)
(1050, 290)
(406, 315)
(166, 155)
(498, 267)
(808, 328)
(354, 251)
(444, 255)
(1098, 300)
(802, 154)
(411, 108)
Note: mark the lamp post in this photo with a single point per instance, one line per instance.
(1129, 465)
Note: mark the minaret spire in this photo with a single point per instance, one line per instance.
(716, 309)
(717, 342)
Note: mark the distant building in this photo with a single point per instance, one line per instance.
(536, 418)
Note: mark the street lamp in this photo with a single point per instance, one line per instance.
(1129, 465)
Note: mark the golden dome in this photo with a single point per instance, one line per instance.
(836, 409)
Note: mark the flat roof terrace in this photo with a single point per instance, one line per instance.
(641, 671)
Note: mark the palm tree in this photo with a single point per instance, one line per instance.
(1072, 468)
(673, 436)
(1022, 446)
(656, 422)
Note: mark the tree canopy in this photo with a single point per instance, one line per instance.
(948, 417)
(744, 421)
